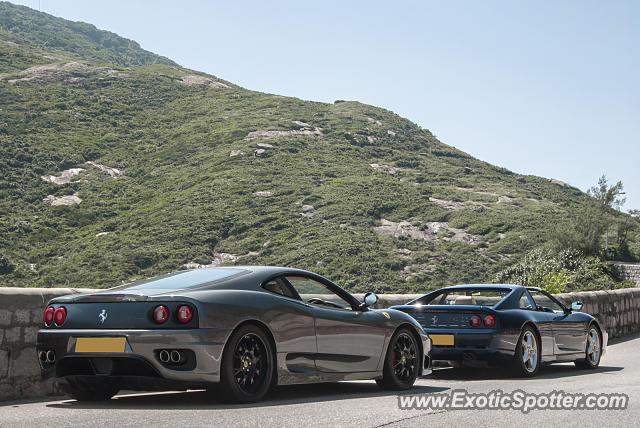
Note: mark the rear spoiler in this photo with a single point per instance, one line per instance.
(103, 298)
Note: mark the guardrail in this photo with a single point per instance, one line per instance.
(21, 312)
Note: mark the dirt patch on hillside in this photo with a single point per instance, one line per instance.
(385, 168)
(71, 72)
(308, 211)
(305, 130)
(63, 200)
(219, 259)
(194, 79)
(316, 133)
(501, 199)
(64, 177)
(429, 232)
(477, 192)
(405, 253)
(449, 205)
(562, 184)
(113, 172)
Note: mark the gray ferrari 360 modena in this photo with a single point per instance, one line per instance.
(234, 330)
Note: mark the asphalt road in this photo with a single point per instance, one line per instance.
(359, 404)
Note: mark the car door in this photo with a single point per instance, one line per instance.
(544, 322)
(295, 328)
(567, 330)
(348, 339)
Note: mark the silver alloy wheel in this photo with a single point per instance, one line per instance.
(593, 346)
(529, 351)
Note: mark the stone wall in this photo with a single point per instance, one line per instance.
(618, 311)
(21, 313)
(386, 300)
(628, 271)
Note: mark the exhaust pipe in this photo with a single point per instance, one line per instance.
(175, 356)
(51, 356)
(164, 356)
(43, 356)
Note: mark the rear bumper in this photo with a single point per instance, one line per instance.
(140, 363)
(487, 346)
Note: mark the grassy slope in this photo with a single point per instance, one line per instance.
(21, 24)
(182, 197)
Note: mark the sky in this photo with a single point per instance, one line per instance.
(549, 88)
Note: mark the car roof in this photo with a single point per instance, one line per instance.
(236, 277)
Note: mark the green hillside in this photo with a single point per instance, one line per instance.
(57, 37)
(209, 172)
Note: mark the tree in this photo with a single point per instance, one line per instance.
(584, 231)
(628, 226)
(610, 196)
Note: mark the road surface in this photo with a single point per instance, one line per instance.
(359, 404)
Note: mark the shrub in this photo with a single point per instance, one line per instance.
(6, 266)
(556, 282)
(557, 272)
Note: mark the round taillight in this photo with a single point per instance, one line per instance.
(48, 316)
(60, 316)
(489, 321)
(475, 321)
(161, 314)
(185, 314)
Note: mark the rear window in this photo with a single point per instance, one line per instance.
(466, 296)
(185, 279)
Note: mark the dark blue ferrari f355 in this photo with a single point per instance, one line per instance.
(493, 324)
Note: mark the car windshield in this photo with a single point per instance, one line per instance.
(465, 296)
(184, 279)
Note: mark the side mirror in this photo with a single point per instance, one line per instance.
(370, 299)
(576, 306)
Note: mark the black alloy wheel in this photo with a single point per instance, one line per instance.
(248, 366)
(402, 362)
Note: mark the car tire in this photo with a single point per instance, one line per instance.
(593, 350)
(526, 360)
(89, 390)
(248, 366)
(401, 363)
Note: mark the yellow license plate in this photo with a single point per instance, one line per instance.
(442, 339)
(100, 344)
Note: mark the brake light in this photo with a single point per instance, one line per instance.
(161, 314)
(48, 316)
(475, 321)
(185, 314)
(60, 316)
(489, 321)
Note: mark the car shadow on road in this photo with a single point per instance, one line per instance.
(556, 371)
(282, 395)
